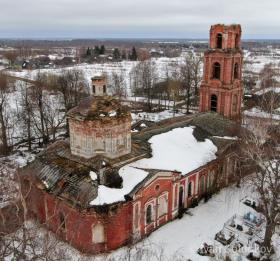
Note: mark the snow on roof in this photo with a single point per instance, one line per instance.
(174, 150)
(93, 175)
(98, 75)
(131, 177)
(178, 150)
(226, 137)
(256, 112)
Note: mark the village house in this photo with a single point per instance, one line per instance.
(106, 187)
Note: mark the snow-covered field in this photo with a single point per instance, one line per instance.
(259, 61)
(155, 116)
(257, 112)
(124, 68)
(269, 89)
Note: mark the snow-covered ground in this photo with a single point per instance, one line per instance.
(269, 89)
(181, 238)
(189, 233)
(155, 116)
(257, 112)
(259, 61)
(124, 68)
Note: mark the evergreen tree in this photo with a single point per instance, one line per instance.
(133, 55)
(88, 53)
(102, 49)
(124, 57)
(116, 54)
(96, 50)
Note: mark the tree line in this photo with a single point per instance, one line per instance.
(39, 109)
(179, 82)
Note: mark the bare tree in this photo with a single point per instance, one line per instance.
(118, 84)
(266, 181)
(174, 88)
(267, 76)
(25, 114)
(23, 239)
(37, 96)
(249, 77)
(11, 56)
(73, 86)
(3, 114)
(54, 113)
(261, 152)
(190, 76)
(143, 78)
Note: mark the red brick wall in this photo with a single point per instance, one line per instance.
(151, 193)
(46, 208)
(97, 132)
(118, 221)
(227, 86)
(229, 35)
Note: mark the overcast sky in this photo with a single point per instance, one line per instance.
(136, 18)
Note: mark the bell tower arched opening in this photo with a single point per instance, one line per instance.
(214, 102)
(219, 41)
(216, 71)
(236, 71)
(237, 41)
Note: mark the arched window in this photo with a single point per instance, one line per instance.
(162, 205)
(190, 189)
(181, 197)
(219, 41)
(175, 196)
(98, 235)
(214, 101)
(201, 184)
(234, 103)
(93, 89)
(236, 71)
(149, 218)
(104, 88)
(237, 41)
(216, 71)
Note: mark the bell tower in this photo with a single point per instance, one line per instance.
(221, 89)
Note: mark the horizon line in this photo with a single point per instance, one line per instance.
(125, 38)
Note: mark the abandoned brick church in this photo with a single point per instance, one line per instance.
(106, 187)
